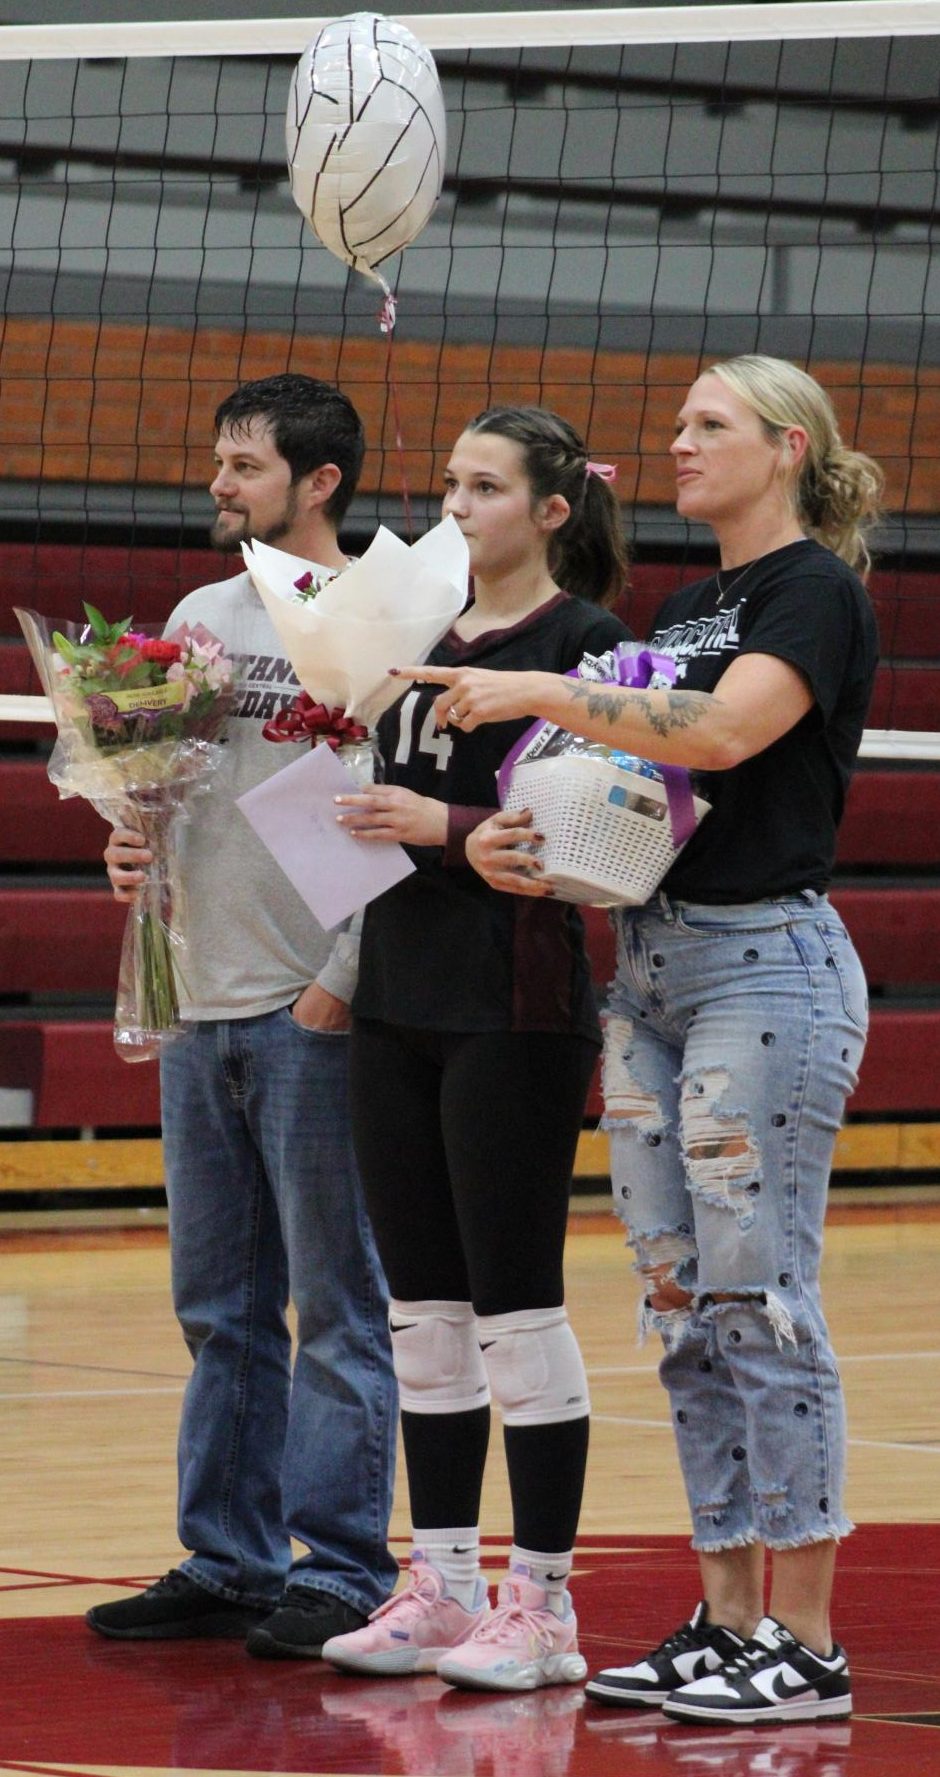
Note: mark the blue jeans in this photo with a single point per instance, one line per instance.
(265, 1203)
(733, 1038)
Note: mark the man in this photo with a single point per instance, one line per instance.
(264, 1198)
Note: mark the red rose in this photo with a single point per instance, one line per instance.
(164, 653)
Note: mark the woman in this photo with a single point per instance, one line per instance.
(474, 1041)
(737, 1024)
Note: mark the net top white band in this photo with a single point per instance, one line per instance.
(490, 30)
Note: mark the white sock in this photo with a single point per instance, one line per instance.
(549, 1571)
(456, 1555)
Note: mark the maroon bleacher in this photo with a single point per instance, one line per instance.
(59, 942)
(906, 697)
(892, 819)
(54, 578)
(76, 1076)
(63, 940)
(39, 826)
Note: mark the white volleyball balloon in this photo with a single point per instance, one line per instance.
(366, 136)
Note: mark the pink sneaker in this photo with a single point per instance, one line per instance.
(521, 1646)
(411, 1630)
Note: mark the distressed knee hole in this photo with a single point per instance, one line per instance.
(664, 1293)
(716, 1509)
(723, 1160)
(774, 1500)
(665, 1262)
(626, 1099)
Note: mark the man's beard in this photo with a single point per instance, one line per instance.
(228, 539)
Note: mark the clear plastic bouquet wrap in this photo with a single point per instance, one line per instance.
(613, 823)
(137, 713)
(342, 632)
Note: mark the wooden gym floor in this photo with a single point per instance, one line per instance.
(91, 1374)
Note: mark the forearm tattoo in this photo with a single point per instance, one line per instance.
(683, 708)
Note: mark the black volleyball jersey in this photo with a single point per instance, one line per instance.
(772, 829)
(442, 950)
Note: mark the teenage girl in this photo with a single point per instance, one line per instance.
(475, 1038)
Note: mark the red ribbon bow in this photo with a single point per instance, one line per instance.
(305, 720)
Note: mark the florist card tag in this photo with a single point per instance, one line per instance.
(294, 815)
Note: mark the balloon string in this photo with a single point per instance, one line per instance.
(387, 325)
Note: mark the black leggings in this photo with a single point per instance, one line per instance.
(466, 1144)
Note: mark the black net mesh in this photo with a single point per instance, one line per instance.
(611, 219)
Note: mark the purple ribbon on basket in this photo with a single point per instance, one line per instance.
(634, 667)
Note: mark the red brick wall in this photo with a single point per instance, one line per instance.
(109, 402)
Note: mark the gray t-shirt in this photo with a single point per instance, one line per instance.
(251, 944)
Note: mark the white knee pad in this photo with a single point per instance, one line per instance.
(535, 1366)
(437, 1358)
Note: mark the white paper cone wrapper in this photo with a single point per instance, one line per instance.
(387, 609)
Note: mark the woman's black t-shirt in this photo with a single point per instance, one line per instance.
(772, 828)
(442, 950)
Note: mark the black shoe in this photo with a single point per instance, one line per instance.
(774, 1679)
(174, 1609)
(302, 1622)
(698, 1647)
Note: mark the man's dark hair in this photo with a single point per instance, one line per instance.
(310, 422)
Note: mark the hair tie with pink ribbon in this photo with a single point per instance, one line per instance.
(604, 471)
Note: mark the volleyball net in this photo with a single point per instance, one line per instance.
(629, 195)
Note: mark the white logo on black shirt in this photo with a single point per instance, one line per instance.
(697, 636)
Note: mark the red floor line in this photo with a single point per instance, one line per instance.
(45, 1770)
(76, 1579)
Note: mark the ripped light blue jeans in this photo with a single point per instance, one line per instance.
(733, 1038)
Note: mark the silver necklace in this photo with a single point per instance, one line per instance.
(724, 590)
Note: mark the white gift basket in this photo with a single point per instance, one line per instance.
(608, 834)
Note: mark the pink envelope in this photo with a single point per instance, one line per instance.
(294, 815)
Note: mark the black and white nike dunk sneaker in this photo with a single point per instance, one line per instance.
(774, 1678)
(698, 1647)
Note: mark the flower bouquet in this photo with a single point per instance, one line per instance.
(613, 823)
(342, 632)
(137, 715)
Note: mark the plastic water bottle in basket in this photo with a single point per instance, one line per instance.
(613, 823)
